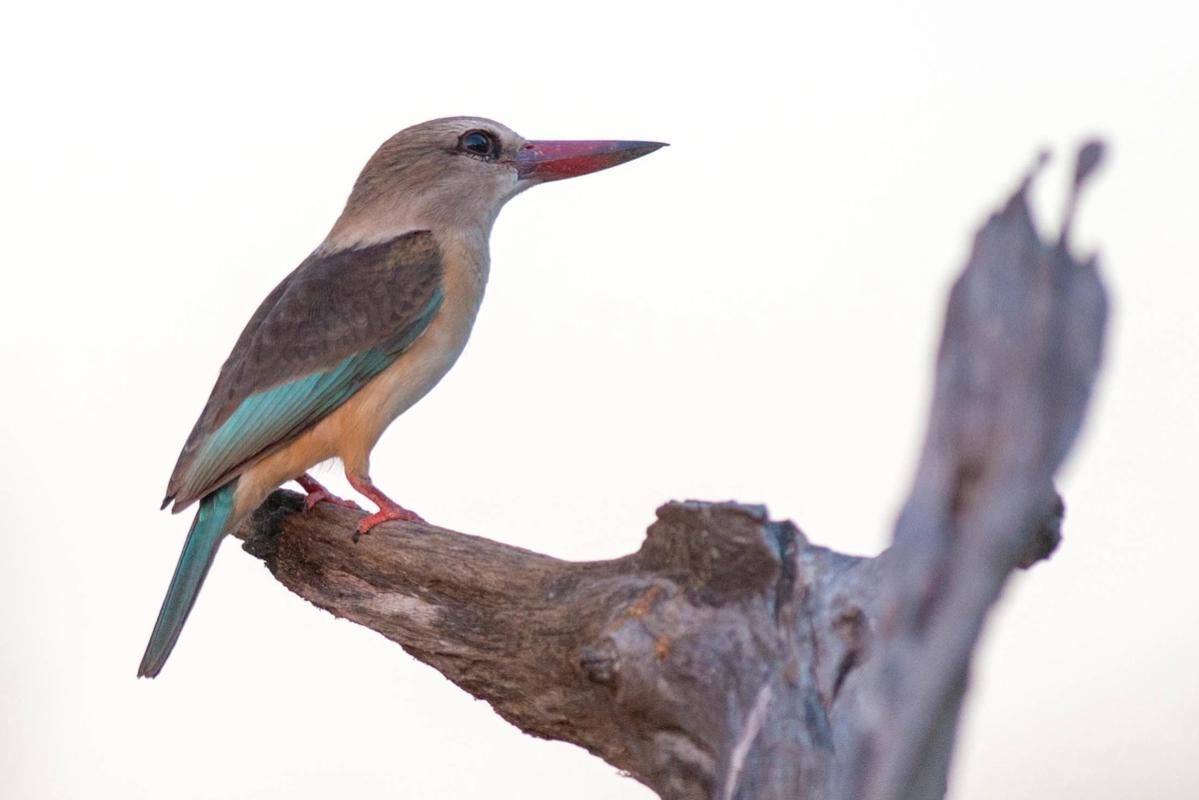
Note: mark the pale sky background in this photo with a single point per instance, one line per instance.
(749, 314)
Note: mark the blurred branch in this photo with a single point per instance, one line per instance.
(729, 657)
(1020, 350)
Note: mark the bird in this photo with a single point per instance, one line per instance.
(356, 334)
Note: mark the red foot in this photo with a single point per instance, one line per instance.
(386, 515)
(388, 509)
(318, 493)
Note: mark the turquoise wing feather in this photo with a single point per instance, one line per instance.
(336, 322)
(276, 415)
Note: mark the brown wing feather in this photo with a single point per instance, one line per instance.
(330, 307)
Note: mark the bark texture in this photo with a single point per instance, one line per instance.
(729, 657)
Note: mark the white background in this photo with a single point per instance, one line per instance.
(749, 314)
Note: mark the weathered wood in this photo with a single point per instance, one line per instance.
(1019, 354)
(729, 657)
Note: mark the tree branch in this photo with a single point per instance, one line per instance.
(729, 657)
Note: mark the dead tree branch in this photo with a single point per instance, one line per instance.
(729, 657)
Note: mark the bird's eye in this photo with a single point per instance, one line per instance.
(479, 143)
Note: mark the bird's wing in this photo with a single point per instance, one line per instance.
(333, 324)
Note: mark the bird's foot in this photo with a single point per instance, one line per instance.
(318, 493)
(386, 513)
(325, 496)
(388, 509)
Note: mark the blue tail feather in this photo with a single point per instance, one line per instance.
(202, 542)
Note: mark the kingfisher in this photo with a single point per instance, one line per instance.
(361, 330)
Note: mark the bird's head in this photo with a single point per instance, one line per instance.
(457, 173)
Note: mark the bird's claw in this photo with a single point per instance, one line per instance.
(325, 496)
(385, 514)
(317, 493)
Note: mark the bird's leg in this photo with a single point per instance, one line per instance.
(388, 509)
(317, 493)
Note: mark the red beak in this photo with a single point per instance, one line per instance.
(552, 161)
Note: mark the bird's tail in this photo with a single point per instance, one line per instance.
(198, 551)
